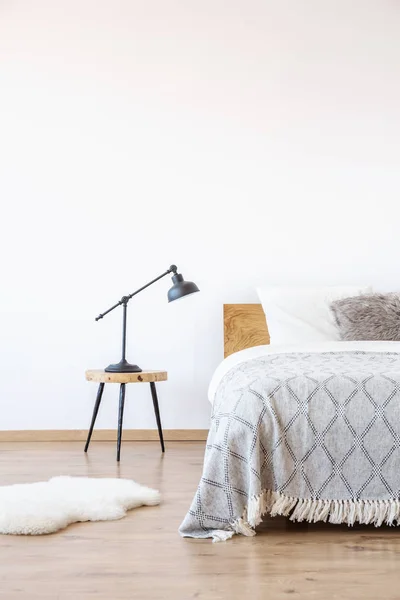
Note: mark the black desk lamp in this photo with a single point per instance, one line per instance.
(179, 289)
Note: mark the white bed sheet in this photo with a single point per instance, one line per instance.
(258, 351)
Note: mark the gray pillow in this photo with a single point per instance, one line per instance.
(368, 317)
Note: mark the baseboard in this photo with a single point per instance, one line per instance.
(103, 435)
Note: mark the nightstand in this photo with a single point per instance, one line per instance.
(103, 377)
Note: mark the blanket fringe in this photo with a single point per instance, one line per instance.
(313, 510)
(221, 535)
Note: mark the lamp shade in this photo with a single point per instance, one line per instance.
(181, 288)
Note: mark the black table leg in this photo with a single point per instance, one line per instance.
(94, 416)
(120, 418)
(157, 413)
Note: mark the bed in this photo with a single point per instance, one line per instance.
(308, 431)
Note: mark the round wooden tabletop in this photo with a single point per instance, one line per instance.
(102, 376)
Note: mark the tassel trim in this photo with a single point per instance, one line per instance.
(313, 510)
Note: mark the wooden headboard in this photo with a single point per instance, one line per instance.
(244, 327)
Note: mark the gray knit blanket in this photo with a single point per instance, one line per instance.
(312, 436)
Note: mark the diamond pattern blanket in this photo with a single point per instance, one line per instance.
(314, 436)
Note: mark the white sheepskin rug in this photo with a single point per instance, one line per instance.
(45, 507)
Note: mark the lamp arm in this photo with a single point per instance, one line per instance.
(125, 299)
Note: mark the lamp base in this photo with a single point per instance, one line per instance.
(123, 367)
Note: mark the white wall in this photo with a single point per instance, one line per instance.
(248, 141)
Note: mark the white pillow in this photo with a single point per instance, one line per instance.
(296, 315)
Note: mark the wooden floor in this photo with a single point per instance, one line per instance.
(142, 556)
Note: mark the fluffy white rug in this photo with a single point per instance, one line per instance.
(45, 507)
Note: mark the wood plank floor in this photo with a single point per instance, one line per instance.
(143, 557)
